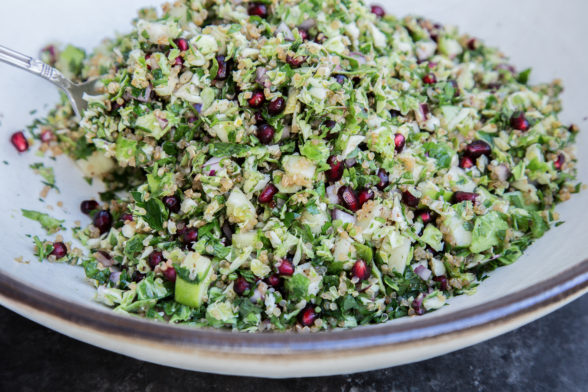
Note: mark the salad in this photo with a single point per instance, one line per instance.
(302, 165)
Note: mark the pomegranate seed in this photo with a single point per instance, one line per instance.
(443, 281)
(257, 99)
(189, 237)
(519, 121)
(19, 141)
(295, 62)
(466, 162)
(558, 164)
(172, 203)
(179, 61)
(307, 316)
(286, 268)
(59, 250)
(267, 194)
(340, 79)
(276, 106)
(182, 44)
(303, 34)
(399, 141)
(155, 258)
(137, 276)
(336, 171)
(384, 179)
(473, 44)
(348, 198)
(265, 133)
(103, 221)
(126, 217)
(478, 148)
(258, 116)
(409, 199)
(378, 11)
(426, 216)
(170, 274)
(430, 79)
(417, 305)
(365, 195)
(459, 197)
(274, 280)
(223, 69)
(360, 270)
(47, 136)
(257, 9)
(88, 206)
(241, 285)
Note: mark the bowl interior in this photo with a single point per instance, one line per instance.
(548, 36)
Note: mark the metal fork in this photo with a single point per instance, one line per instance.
(74, 92)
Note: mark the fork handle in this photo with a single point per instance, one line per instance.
(33, 66)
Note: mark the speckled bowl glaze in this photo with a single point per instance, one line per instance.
(548, 35)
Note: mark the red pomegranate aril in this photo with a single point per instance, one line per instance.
(265, 133)
(103, 221)
(519, 121)
(442, 280)
(170, 274)
(274, 280)
(303, 34)
(286, 268)
(155, 258)
(296, 61)
(241, 285)
(189, 236)
(409, 199)
(258, 116)
(126, 217)
(426, 216)
(384, 179)
(267, 194)
(257, 99)
(182, 44)
(257, 9)
(360, 270)
(365, 195)
(473, 44)
(308, 316)
(88, 206)
(336, 171)
(477, 148)
(399, 142)
(172, 203)
(276, 106)
(19, 141)
(430, 79)
(223, 70)
(378, 11)
(59, 250)
(459, 197)
(559, 162)
(348, 198)
(179, 61)
(466, 162)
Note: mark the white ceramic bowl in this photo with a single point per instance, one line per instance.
(548, 35)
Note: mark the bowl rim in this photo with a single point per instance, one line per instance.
(521, 305)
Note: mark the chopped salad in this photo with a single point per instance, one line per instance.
(303, 165)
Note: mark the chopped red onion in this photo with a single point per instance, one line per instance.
(359, 57)
(260, 75)
(284, 29)
(104, 259)
(308, 24)
(423, 272)
(350, 162)
(213, 164)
